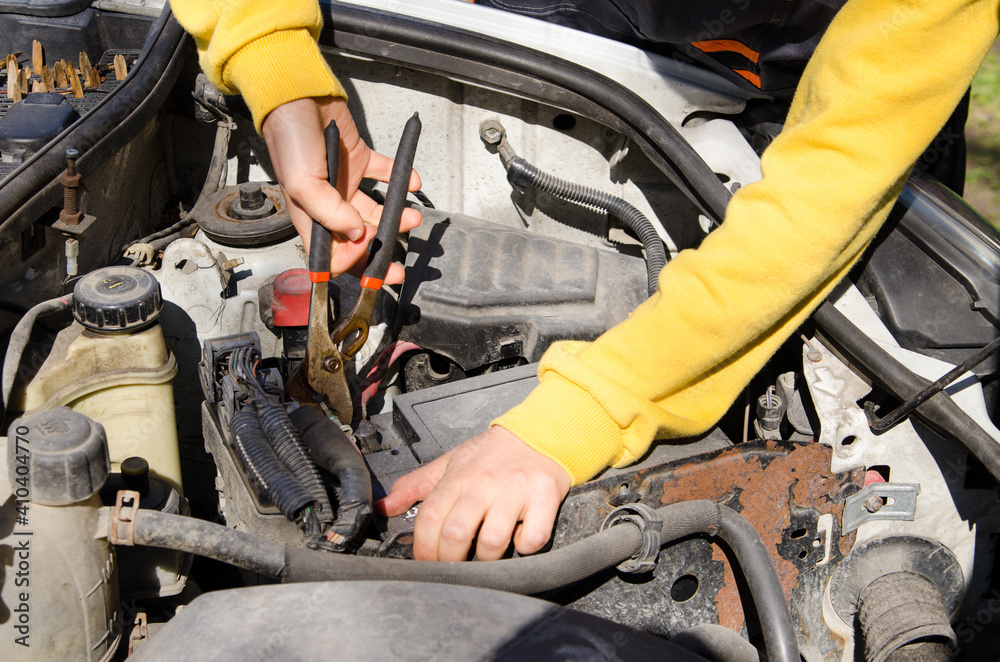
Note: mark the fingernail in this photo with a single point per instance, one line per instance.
(356, 234)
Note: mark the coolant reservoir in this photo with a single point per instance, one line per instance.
(59, 594)
(113, 365)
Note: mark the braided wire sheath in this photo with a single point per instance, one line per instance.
(287, 443)
(522, 174)
(264, 467)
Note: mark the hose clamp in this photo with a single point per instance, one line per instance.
(122, 529)
(650, 524)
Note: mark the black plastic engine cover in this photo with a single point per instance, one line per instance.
(477, 292)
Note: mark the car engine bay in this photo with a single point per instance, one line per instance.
(184, 496)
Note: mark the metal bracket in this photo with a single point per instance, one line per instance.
(880, 502)
(649, 522)
(75, 229)
(140, 633)
(123, 515)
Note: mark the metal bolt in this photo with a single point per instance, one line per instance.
(492, 132)
(71, 156)
(229, 265)
(251, 204)
(251, 196)
(331, 364)
(70, 213)
(874, 504)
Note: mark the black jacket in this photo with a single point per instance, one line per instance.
(760, 44)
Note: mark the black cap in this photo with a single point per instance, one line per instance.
(117, 299)
(67, 456)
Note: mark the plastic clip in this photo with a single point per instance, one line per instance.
(650, 523)
(123, 515)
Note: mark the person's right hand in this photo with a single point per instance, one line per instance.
(494, 486)
(294, 136)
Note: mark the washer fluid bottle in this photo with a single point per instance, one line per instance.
(113, 365)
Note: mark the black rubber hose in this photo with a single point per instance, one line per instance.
(941, 412)
(523, 175)
(525, 575)
(20, 336)
(263, 466)
(215, 541)
(333, 451)
(765, 588)
(716, 643)
(287, 444)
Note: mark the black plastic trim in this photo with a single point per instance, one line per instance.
(34, 188)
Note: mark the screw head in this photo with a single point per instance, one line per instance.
(331, 364)
(491, 132)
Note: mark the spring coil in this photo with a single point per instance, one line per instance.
(264, 467)
(287, 444)
(520, 173)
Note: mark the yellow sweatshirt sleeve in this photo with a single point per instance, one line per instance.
(884, 79)
(262, 49)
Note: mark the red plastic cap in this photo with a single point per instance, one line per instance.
(290, 304)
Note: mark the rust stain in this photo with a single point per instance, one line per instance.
(767, 482)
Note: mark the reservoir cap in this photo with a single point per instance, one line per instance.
(116, 299)
(68, 456)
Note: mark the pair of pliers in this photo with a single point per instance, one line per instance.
(324, 362)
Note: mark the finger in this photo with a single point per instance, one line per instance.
(537, 521)
(325, 206)
(497, 528)
(412, 487)
(321, 202)
(372, 212)
(396, 274)
(435, 511)
(380, 168)
(411, 219)
(460, 525)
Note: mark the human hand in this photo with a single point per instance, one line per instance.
(494, 480)
(294, 136)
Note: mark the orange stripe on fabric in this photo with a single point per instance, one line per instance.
(750, 76)
(727, 45)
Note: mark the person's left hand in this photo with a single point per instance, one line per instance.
(294, 136)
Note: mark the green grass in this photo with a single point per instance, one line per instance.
(983, 133)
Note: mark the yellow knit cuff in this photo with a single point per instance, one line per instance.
(562, 421)
(277, 68)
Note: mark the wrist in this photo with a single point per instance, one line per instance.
(564, 423)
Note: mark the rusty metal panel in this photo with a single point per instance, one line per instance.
(786, 490)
